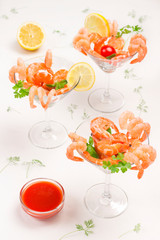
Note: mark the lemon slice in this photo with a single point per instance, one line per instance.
(30, 36)
(95, 22)
(85, 73)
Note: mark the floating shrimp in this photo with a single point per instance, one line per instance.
(79, 146)
(124, 118)
(48, 59)
(60, 75)
(117, 43)
(99, 128)
(138, 45)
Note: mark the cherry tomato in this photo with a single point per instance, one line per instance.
(107, 50)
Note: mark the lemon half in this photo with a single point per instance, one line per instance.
(85, 73)
(30, 36)
(95, 22)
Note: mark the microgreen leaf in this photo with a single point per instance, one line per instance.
(19, 91)
(109, 130)
(111, 56)
(33, 162)
(88, 225)
(137, 228)
(128, 29)
(57, 85)
(11, 160)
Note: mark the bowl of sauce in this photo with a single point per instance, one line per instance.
(42, 197)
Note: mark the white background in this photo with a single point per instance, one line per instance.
(76, 178)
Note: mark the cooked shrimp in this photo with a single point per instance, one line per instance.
(111, 149)
(60, 75)
(99, 128)
(81, 146)
(97, 55)
(32, 93)
(83, 45)
(20, 68)
(133, 122)
(117, 43)
(124, 118)
(76, 138)
(49, 99)
(140, 131)
(99, 43)
(137, 45)
(114, 28)
(41, 94)
(94, 37)
(96, 161)
(48, 59)
(149, 150)
(83, 31)
(119, 138)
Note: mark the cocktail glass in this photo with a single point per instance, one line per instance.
(50, 134)
(107, 100)
(104, 200)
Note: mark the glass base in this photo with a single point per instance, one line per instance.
(47, 135)
(107, 104)
(106, 206)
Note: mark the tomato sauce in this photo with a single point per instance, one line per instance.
(42, 196)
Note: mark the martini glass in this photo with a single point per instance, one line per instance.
(107, 100)
(50, 134)
(104, 200)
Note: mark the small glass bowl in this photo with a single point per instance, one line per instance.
(42, 214)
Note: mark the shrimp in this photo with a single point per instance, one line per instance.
(76, 138)
(149, 150)
(111, 149)
(32, 92)
(48, 59)
(117, 43)
(133, 122)
(114, 28)
(83, 45)
(49, 99)
(124, 118)
(34, 74)
(60, 75)
(99, 128)
(97, 55)
(41, 94)
(133, 159)
(119, 138)
(94, 37)
(99, 43)
(140, 131)
(96, 161)
(81, 146)
(83, 32)
(20, 68)
(137, 45)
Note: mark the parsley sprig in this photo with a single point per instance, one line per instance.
(91, 149)
(128, 29)
(57, 85)
(136, 229)
(122, 165)
(19, 90)
(11, 160)
(87, 228)
(111, 56)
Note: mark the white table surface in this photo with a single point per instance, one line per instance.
(76, 178)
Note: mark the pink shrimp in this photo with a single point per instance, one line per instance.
(49, 99)
(41, 94)
(97, 55)
(60, 75)
(141, 131)
(99, 128)
(79, 146)
(94, 37)
(150, 151)
(124, 118)
(111, 149)
(117, 43)
(20, 69)
(83, 31)
(32, 93)
(48, 59)
(99, 43)
(137, 45)
(96, 161)
(76, 138)
(113, 27)
(83, 45)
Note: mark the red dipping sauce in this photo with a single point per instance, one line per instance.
(42, 198)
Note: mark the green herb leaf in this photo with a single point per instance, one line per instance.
(92, 151)
(19, 90)
(109, 130)
(111, 56)
(79, 227)
(57, 85)
(128, 29)
(90, 140)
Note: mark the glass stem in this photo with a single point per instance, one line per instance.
(106, 94)
(47, 120)
(107, 185)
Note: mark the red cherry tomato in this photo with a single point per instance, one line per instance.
(107, 51)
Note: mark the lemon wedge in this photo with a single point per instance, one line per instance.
(30, 36)
(85, 73)
(95, 22)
